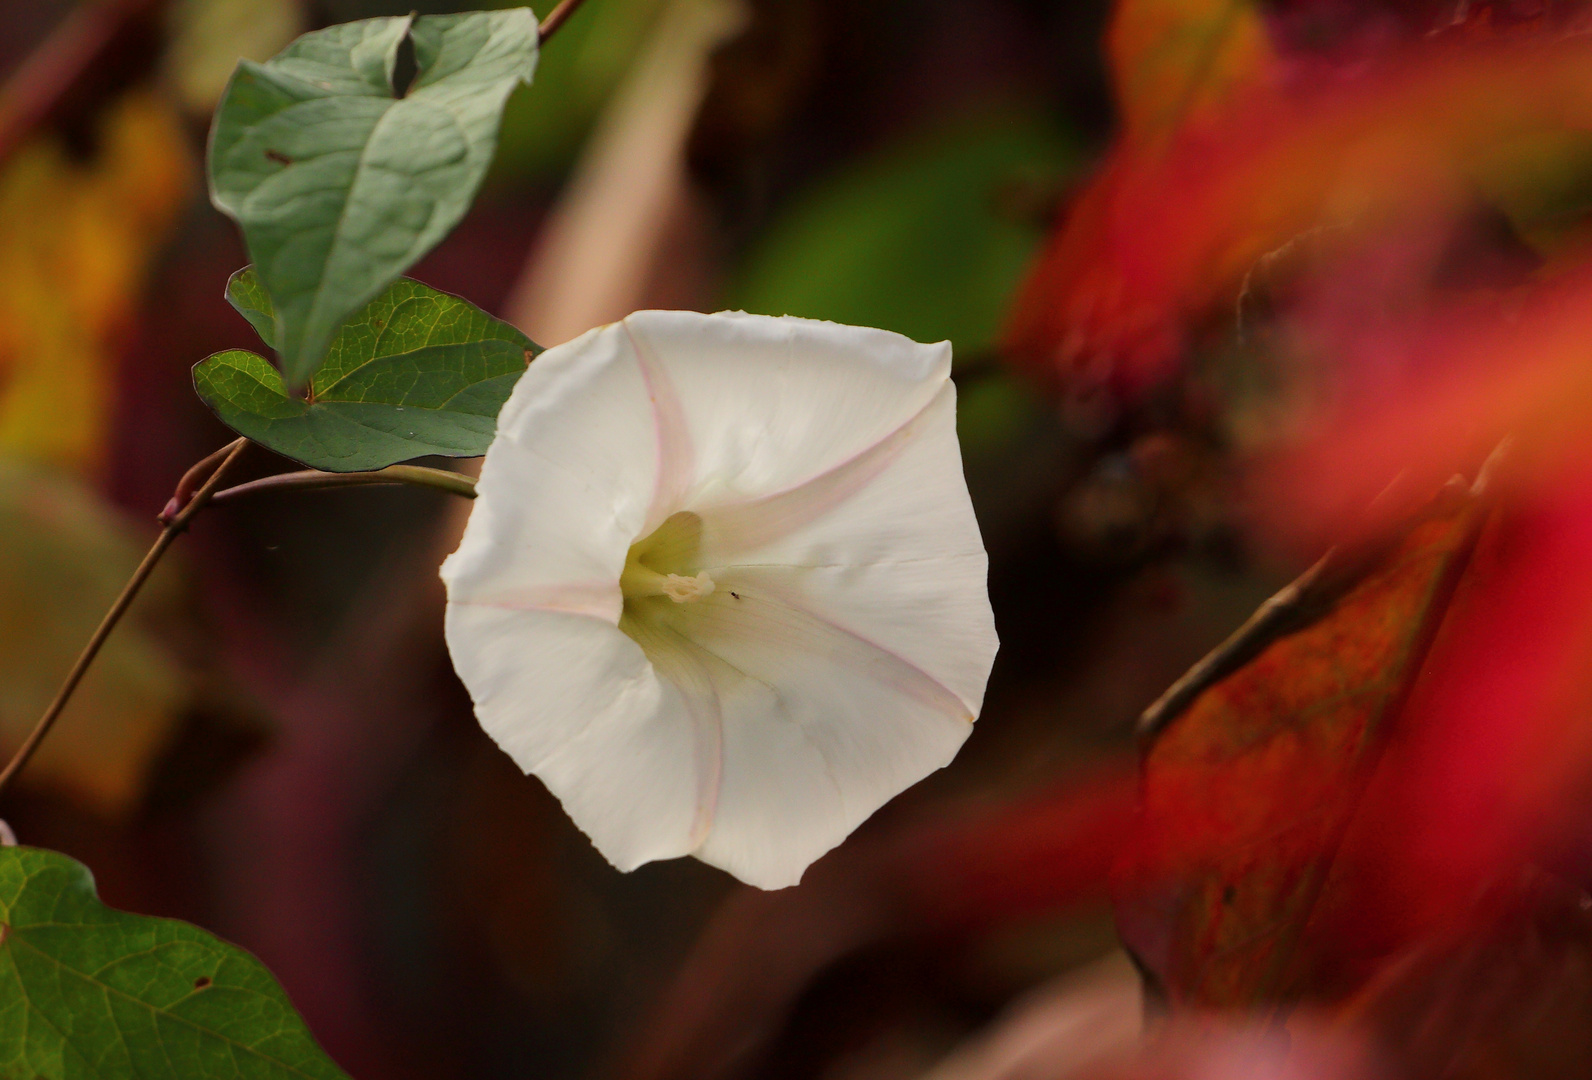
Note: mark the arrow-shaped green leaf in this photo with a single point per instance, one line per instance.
(87, 991)
(417, 372)
(338, 184)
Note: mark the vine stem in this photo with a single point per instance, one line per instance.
(197, 489)
(555, 19)
(440, 479)
(66, 54)
(175, 520)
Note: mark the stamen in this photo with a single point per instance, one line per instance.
(681, 589)
(671, 547)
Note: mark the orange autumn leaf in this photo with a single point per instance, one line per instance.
(1177, 62)
(1247, 794)
(79, 235)
(1493, 767)
(1165, 236)
(78, 239)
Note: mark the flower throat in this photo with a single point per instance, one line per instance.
(662, 563)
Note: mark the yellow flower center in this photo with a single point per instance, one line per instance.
(660, 564)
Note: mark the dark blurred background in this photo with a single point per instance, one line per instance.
(277, 749)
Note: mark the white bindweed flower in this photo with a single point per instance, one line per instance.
(722, 588)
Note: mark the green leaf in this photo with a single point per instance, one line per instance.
(248, 298)
(340, 186)
(87, 991)
(913, 240)
(417, 372)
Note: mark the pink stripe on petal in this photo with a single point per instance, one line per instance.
(676, 454)
(597, 599)
(749, 525)
(680, 661)
(755, 615)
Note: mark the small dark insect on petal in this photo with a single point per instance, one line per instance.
(201, 982)
(735, 594)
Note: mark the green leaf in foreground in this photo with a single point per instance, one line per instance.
(339, 184)
(418, 372)
(87, 991)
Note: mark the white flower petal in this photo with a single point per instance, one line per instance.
(574, 700)
(689, 670)
(676, 454)
(779, 808)
(821, 727)
(770, 403)
(899, 560)
(722, 588)
(567, 483)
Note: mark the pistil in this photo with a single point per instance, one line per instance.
(662, 564)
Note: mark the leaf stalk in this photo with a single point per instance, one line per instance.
(419, 475)
(186, 508)
(555, 19)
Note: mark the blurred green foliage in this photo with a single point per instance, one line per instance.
(927, 237)
(543, 129)
(994, 413)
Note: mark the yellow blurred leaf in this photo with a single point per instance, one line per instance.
(610, 226)
(209, 37)
(66, 556)
(76, 239)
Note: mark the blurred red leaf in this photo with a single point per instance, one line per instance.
(1173, 62)
(1248, 793)
(1429, 395)
(1494, 763)
(1169, 228)
(1508, 998)
(958, 872)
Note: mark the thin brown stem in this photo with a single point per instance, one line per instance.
(1300, 603)
(196, 475)
(441, 479)
(1313, 594)
(556, 18)
(173, 527)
